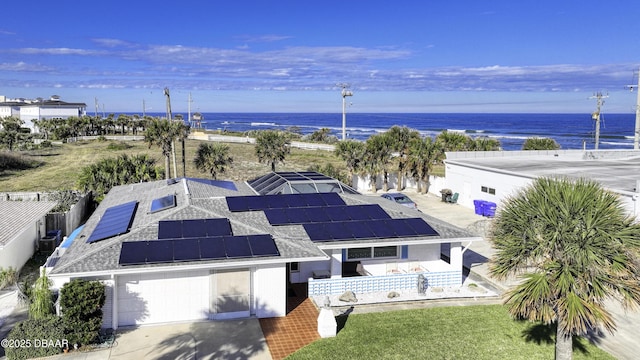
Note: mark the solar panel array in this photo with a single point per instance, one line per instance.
(264, 202)
(116, 220)
(290, 216)
(163, 203)
(368, 229)
(177, 229)
(197, 249)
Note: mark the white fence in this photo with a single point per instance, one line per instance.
(384, 283)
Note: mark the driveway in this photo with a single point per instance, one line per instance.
(231, 339)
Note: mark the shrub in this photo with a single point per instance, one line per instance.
(81, 304)
(8, 277)
(118, 145)
(35, 338)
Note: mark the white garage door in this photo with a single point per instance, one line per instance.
(162, 297)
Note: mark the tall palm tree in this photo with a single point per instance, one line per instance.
(573, 246)
(351, 152)
(399, 138)
(376, 159)
(213, 158)
(272, 147)
(163, 133)
(422, 155)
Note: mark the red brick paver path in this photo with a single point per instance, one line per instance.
(285, 335)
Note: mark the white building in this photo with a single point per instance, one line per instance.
(30, 110)
(494, 175)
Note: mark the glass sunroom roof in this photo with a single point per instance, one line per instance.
(303, 182)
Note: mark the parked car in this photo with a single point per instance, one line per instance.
(401, 199)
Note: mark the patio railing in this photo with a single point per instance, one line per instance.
(371, 284)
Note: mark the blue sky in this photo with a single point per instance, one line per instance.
(288, 56)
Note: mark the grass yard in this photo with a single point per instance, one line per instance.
(472, 332)
(60, 166)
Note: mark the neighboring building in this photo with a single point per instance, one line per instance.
(30, 110)
(22, 225)
(193, 249)
(494, 175)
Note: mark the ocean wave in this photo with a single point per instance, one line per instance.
(263, 124)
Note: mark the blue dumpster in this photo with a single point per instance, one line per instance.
(479, 206)
(489, 209)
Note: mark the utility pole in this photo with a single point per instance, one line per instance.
(596, 114)
(173, 143)
(345, 93)
(636, 134)
(189, 113)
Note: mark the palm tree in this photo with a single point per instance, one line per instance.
(399, 138)
(163, 133)
(376, 159)
(422, 155)
(484, 144)
(536, 143)
(212, 158)
(272, 147)
(454, 141)
(351, 152)
(574, 247)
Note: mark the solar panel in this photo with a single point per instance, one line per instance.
(237, 246)
(170, 229)
(381, 228)
(277, 216)
(374, 211)
(193, 228)
(263, 245)
(186, 249)
(133, 253)
(159, 251)
(368, 229)
(116, 220)
(421, 227)
(337, 213)
(318, 214)
(218, 227)
(212, 248)
(296, 200)
(163, 203)
(237, 203)
(331, 199)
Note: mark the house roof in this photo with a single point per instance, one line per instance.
(17, 215)
(614, 169)
(198, 199)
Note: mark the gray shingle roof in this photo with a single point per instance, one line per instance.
(16, 215)
(196, 200)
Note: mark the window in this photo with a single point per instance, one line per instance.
(488, 190)
(294, 267)
(372, 252)
(385, 251)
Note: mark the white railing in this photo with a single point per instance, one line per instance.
(385, 283)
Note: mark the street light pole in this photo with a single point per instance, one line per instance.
(345, 93)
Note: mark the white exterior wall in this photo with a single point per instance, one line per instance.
(16, 253)
(162, 297)
(270, 291)
(468, 181)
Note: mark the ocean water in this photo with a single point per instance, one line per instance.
(571, 131)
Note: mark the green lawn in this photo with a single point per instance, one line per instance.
(472, 332)
(60, 166)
